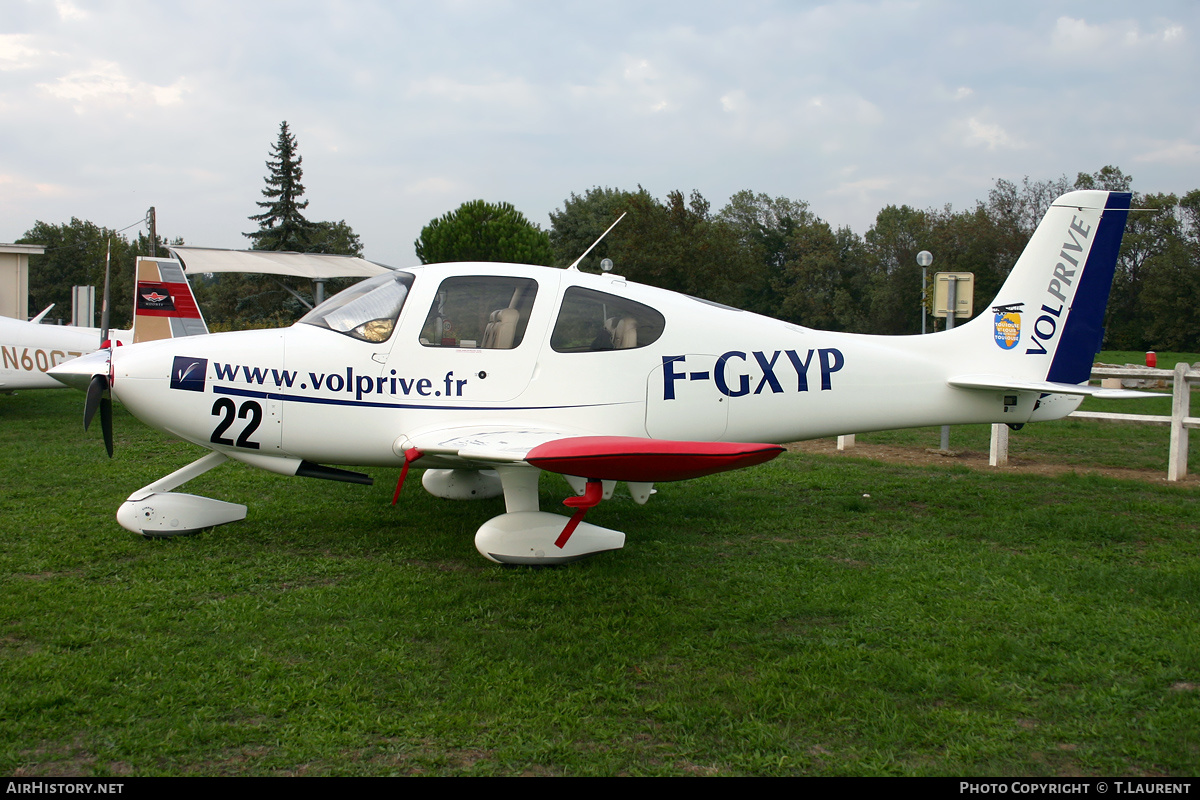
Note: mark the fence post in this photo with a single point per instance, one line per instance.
(998, 454)
(1181, 401)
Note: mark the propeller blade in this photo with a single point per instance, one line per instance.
(95, 391)
(90, 373)
(99, 398)
(106, 425)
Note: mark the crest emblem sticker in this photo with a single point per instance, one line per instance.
(1007, 325)
(154, 297)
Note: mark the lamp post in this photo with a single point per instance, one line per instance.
(924, 259)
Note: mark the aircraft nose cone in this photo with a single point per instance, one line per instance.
(77, 373)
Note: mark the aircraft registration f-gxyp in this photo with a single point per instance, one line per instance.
(487, 374)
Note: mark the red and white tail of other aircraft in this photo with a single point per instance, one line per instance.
(163, 307)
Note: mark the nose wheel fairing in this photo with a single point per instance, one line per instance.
(164, 514)
(156, 511)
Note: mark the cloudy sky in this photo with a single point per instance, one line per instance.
(404, 110)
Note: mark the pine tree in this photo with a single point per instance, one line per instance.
(282, 226)
(482, 231)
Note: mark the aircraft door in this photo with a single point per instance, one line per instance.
(477, 343)
(683, 400)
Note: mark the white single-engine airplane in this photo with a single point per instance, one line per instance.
(163, 307)
(29, 349)
(486, 374)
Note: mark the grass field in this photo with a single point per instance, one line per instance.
(813, 616)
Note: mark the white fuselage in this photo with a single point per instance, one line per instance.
(714, 374)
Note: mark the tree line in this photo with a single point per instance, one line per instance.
(774, 256)
(770, 255)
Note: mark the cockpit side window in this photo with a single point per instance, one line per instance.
(368, 310)
(590, 321)
(480, 311)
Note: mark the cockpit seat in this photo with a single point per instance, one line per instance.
(501, 329)
(624, 333)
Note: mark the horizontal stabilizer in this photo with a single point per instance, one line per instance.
(626, 458)
(1004, 383)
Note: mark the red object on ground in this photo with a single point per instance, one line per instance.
(1151, 358)
(627, 458)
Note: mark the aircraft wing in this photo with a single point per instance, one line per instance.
(481, 446)
(621, 458)
(1004, 383)
(317, 266)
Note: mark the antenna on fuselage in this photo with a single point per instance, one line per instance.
(575, 266)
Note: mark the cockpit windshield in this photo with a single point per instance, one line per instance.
(368, 310)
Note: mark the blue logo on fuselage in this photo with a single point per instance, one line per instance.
(188, 373)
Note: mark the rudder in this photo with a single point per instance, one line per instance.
(1083, 331)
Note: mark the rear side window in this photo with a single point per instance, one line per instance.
(591, 321)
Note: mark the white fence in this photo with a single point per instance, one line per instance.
(1180, 419)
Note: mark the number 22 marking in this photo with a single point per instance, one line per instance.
(224, 408)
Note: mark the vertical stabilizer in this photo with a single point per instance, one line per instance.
(1047, 322)
(163, 304)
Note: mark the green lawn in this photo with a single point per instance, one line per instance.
(1075, 442)
(813, 616)
(1165, 359)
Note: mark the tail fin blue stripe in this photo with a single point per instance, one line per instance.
(1084, 327)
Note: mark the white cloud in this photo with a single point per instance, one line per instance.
(989, 134)
(104, 83)
(16, 53)
(632, 84)
(1078, 36)
(69, 11)
(733, 101)
(640, 71)
(15, 187)
(646, 87)
(1176, 152)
